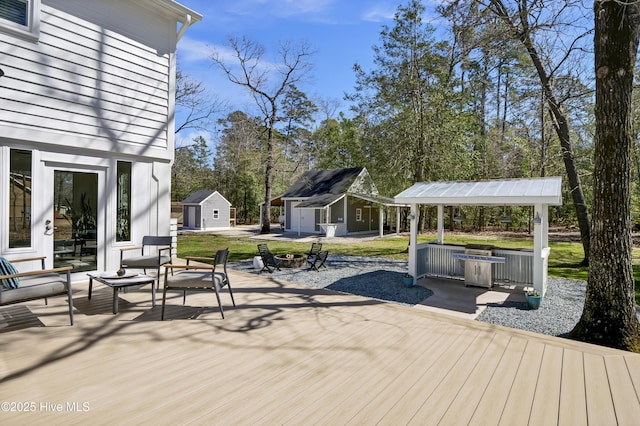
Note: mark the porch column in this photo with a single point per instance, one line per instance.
(397, 220)
(327, 215)
(540, 247)
(440, 224)
(381, 220)
(413, 240)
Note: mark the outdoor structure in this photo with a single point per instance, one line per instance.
(334, 202)
(520, 267)
(87, 96)
(207, 210)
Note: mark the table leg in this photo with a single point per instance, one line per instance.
(115, 300)
(90, 286)
(153, 293)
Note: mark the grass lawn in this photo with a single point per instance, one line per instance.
(564, 261)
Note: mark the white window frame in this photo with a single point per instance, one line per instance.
(31, 31)
(216, 214)
(358, 215)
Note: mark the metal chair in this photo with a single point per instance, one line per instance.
(269, 262)
(319, 261)
(200, 278)
(149, 261)
(313, 252)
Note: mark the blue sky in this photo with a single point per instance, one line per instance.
(341, 32)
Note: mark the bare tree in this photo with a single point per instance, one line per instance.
(609, 316)
(267, 82)
(526, 19)
(199, 107)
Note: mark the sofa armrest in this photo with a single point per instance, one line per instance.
(33, 273)
(30, 259)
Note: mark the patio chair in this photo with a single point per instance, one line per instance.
(319, 261)
(313, 252)
(269, 262)
(149, 261)
(199, 278)
(16, 287)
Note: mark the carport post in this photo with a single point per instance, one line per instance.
(440, 224)
(413, 240)
(540, 243)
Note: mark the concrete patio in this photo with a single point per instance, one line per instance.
(287, 354)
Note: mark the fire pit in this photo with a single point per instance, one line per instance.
(292, 260)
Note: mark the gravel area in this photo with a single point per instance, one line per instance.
(371, 277)
(381, 279)
(558, 313)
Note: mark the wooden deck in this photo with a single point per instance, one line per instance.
(291, 355)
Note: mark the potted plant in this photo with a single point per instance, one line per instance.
(407, 280)
(533, 298)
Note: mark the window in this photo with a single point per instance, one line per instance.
(358, 215)
(14, 11)
(20, 17)
(19, 198)
(123, 216)
(216, 214)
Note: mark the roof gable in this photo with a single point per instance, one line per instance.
(334, 182)
(202, 195)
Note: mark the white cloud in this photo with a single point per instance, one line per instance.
(191, 50)
(379, 13)
(280, 8)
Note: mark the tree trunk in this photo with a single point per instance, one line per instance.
(268, 177)
(609, 316)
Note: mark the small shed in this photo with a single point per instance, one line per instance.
(540, 193)
(335, 202)
(206, 210)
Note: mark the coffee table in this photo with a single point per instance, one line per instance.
(112, 280)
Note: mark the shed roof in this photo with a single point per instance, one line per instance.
(198, 196)
(522, 192)
(322, 182)
(202, 195)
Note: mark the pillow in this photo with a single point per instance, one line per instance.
(6, 268)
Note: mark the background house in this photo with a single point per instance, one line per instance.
(86, 125)
(333, 202)
(207, 210)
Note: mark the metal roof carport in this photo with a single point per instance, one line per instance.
(537, 192)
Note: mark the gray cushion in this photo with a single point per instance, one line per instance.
(145, 261)
(34, 287)
(194, 280)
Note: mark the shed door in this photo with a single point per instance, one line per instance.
(303, 220)
(192, 217)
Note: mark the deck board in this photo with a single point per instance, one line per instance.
(287, 354)
(495, 395)
(597, 391)
(573, 404)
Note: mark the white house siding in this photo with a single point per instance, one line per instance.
(97, 87)
(88, 84)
